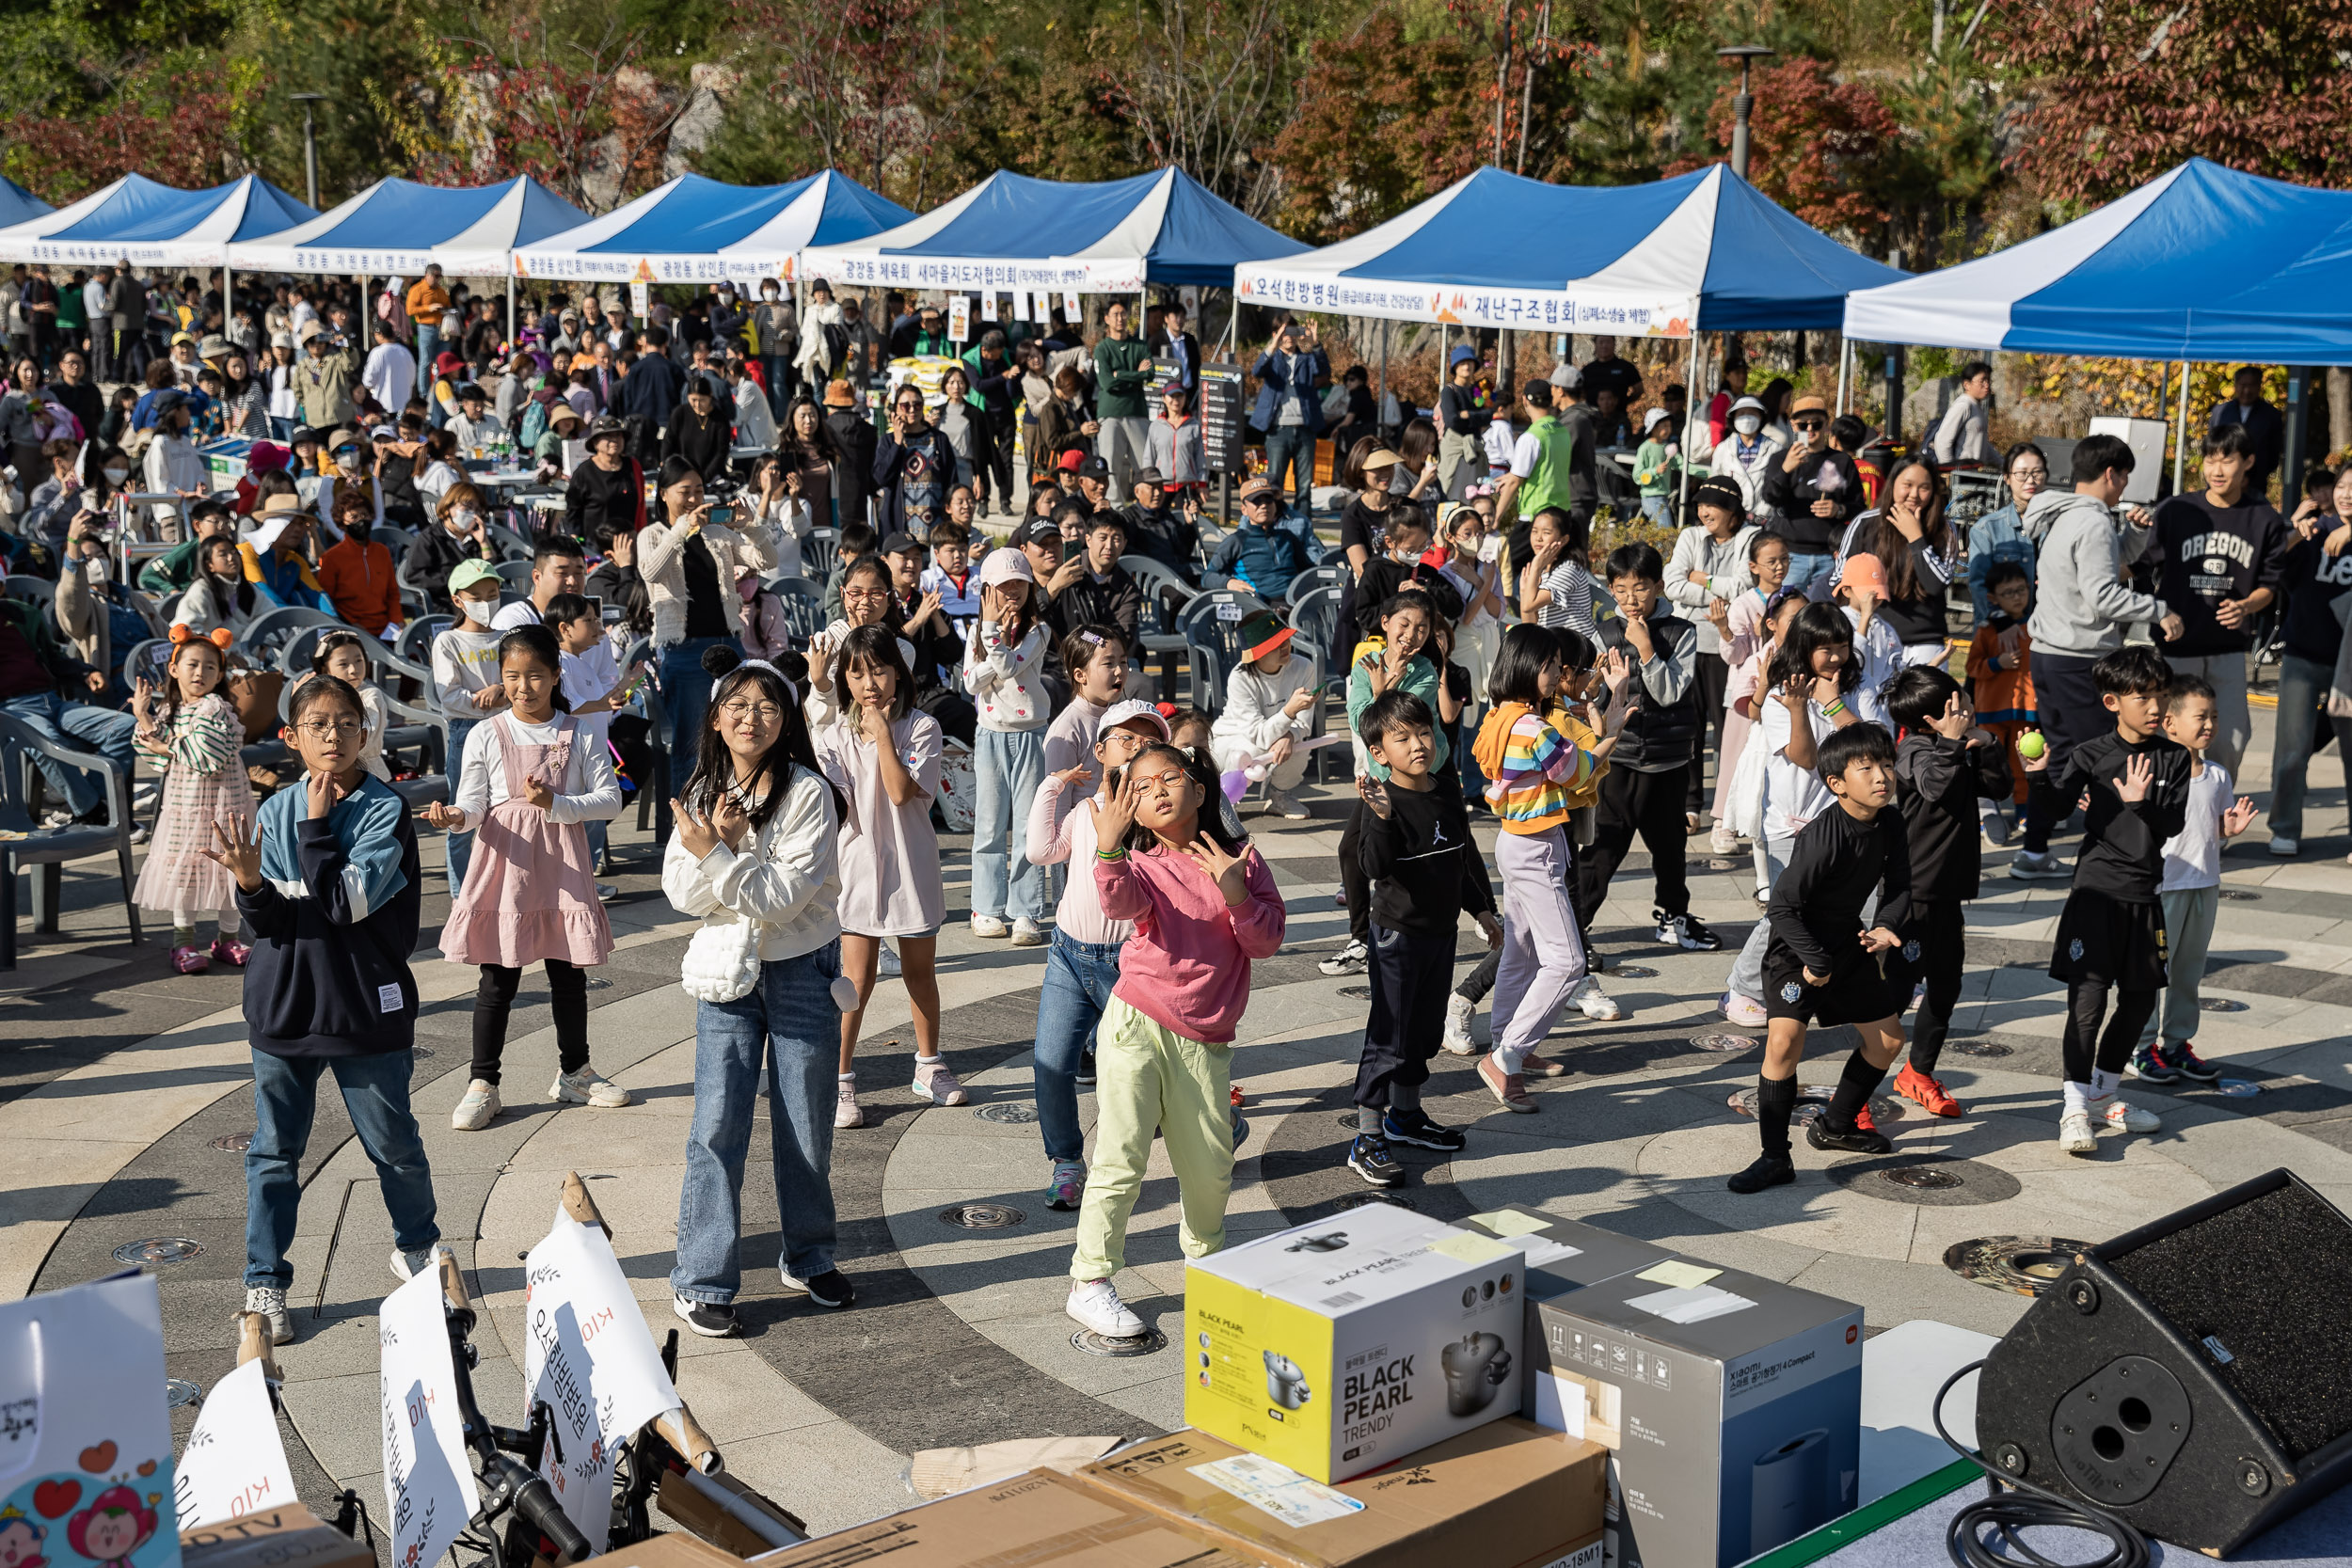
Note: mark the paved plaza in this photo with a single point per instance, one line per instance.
(122, 1097)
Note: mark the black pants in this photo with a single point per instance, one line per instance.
(494, 999)
(1478, 982)
(1713, 679)
(2086, 1044)
(1940, 925)
(957, 718)
(1411, 971)
(996, 462)
(1353, 884)
(1651, 805)
(2066, 699)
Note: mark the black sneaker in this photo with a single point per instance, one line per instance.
(1770, 1170)
(1853, 1140)
(1369, 1158)
(1083, 1077)
(1685, 931)
(828, 1289)
(710, 1319)
(1414, 1126)
(2183, 1059)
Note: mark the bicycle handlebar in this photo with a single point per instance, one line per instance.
(536, 1505)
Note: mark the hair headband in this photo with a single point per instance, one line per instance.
(220, 637)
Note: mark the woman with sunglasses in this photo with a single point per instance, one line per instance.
(1817, 490)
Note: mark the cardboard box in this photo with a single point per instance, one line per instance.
(1340, 1346)
(1565, 1255)
(1731, 1404)
(1508, 1494)
(667, 1551)
(1037, 1520)
(290, 1536)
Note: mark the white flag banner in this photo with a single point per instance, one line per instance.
(1021, 304)
(958, 318)
(988, 305)
(1073, 309)
(235, 1462)
(589, 1355)
(428, 1486)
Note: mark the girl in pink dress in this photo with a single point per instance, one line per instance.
(191, 732)
(1744, 640)
(533, 779)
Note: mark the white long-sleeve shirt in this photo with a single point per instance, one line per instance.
(1007, 681)
(173, 465)
(391, 375)
(1253, 719)
(787, 879)
(1061, 830)
(589, 792)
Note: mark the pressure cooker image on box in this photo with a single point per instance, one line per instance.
(1476, 1367)
(1285, 1384)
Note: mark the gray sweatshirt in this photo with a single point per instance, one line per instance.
(2081, 603)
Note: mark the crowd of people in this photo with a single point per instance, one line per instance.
(1779, 677)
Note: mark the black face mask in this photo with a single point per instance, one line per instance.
(359, 529)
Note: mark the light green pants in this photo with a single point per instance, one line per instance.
(1147, 1076)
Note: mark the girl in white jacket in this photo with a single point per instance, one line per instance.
(1269, 712)
(756, 827)
(1004, 669)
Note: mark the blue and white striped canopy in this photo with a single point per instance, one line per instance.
(1012, 231)
(2204, 262)
(698, 231)
(396, 227)
(1704, 251)
(137, 220)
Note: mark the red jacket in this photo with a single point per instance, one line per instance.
(358, 578)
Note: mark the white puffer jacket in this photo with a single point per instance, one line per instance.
(787, 880)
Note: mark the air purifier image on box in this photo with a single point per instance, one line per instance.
(1792, 1492)
(1285, 1384)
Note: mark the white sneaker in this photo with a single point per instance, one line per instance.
(1354, 958)
(269, 1302)
(2126, 1117)
(1592, 1002)
(1027, 933)
(2075, 1135)
(589, 1087)
(1287, 805)
(886, 965)
(1095, 1305)
(1746, 1012)
(479, 1108)
(846, 1111)
(407, 1265)
(1459, 1010)
(2283, 847)
(990, 927)
(607, 892)
(1722, 841)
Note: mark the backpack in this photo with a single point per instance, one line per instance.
(533, 425)
(836, 352)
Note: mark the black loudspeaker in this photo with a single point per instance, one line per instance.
(2194, 1377)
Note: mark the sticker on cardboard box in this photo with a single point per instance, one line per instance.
(1695, 1305)
(1586, 1555)
(1509, 1222)
(1678, 1273)
(1466, 1248)
(1277, 1491)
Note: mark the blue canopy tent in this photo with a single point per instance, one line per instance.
(137, 220)
(699, 230)
(1702, 252)
(17, 204)
(1011, 232)
(396, 227)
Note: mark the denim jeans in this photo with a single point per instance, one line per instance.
(428, 345)
(2303, 703)
(787, 1026)
(1659, 510)
(458, 846)
(104, 730)
(1816, 574)
(1078, 980)
(1007, 766)
(285, 1097)
(1289, 448)
(686, 703)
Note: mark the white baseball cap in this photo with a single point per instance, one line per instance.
(1122, 713)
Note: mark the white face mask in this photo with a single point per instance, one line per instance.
(464, 517)
(95, 567)
(768, 294)
(476, 611)
(1748, 424)
(348, 462)
(116, 476)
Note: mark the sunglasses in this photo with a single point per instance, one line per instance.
(1812, 425)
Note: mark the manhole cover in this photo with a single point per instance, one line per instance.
(1932, 1181)
(1357, 1200)
(1718, 864)
(1360, 993)
(1348, 1119)
(2021, 1265)
(1013, 1112)
(179, 1391)
(2239, 896)
(1633, 972)
(233, 1142)
(1102, 1344)
(982, 1216)
(2222, 1004)
(1929, 1177)
(1725, 1043)
(1977, 1048)
(157, 1249)
(1813, 1099)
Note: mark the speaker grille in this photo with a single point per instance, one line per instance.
(2270, 1283)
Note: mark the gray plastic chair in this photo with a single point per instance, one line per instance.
(803, 605)
(820, 552)
(1212, 623)
(46, 852)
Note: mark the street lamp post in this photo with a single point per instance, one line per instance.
(1742, 102)
(311, 142)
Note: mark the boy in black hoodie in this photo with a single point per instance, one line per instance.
(1944, 764)
(329, 886)
(1824, 965)
(2111, 934)
(1425, 870)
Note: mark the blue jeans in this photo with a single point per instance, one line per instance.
(285, 1097)
(1659, 510)
(1078, 980)
(2303, 703)
(458, 846)
(1291, 448)
(104, 730)
(428, 343)
(1816, 574)
(1007, 766)
(788, 1025)
(686, 703)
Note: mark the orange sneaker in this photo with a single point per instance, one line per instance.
(1929, 1093)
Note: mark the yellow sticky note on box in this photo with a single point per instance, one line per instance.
(1677, 1274)
(1509, 1222)
(1464, 1248)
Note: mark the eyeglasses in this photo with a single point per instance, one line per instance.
(765, 713)
(1156, 782)
(341, 729)
(864, 594)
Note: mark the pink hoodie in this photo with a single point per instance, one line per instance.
(1187, 965)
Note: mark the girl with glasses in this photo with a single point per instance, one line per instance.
(2000, 536)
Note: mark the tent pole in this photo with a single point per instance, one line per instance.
(1845, 358)
(2180, 429)
(1689, 408)
(510, 310)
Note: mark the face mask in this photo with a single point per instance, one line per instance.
(348, 462)
(116, 476)
(358, 528)
(464, 517)
(96, 568)
(768, 294)
(477, 611)
(1747, 425)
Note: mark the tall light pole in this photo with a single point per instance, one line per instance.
(311, 142)
(1742, 103)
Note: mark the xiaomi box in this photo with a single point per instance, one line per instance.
(1340, 1346)
(1037, 1520)
(1507, 1495)
(1565, 1255)
(1731, 1406)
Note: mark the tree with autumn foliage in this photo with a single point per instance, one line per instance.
(859, 82)
(1816, 144)
(172, 132)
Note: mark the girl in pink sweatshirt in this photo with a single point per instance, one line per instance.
(1203, 906)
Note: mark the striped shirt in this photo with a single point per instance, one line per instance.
(1534, 773)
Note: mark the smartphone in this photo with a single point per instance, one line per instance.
(720, 514)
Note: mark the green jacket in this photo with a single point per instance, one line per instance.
(1547, 483)
(169, 574)
(1120, 378)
